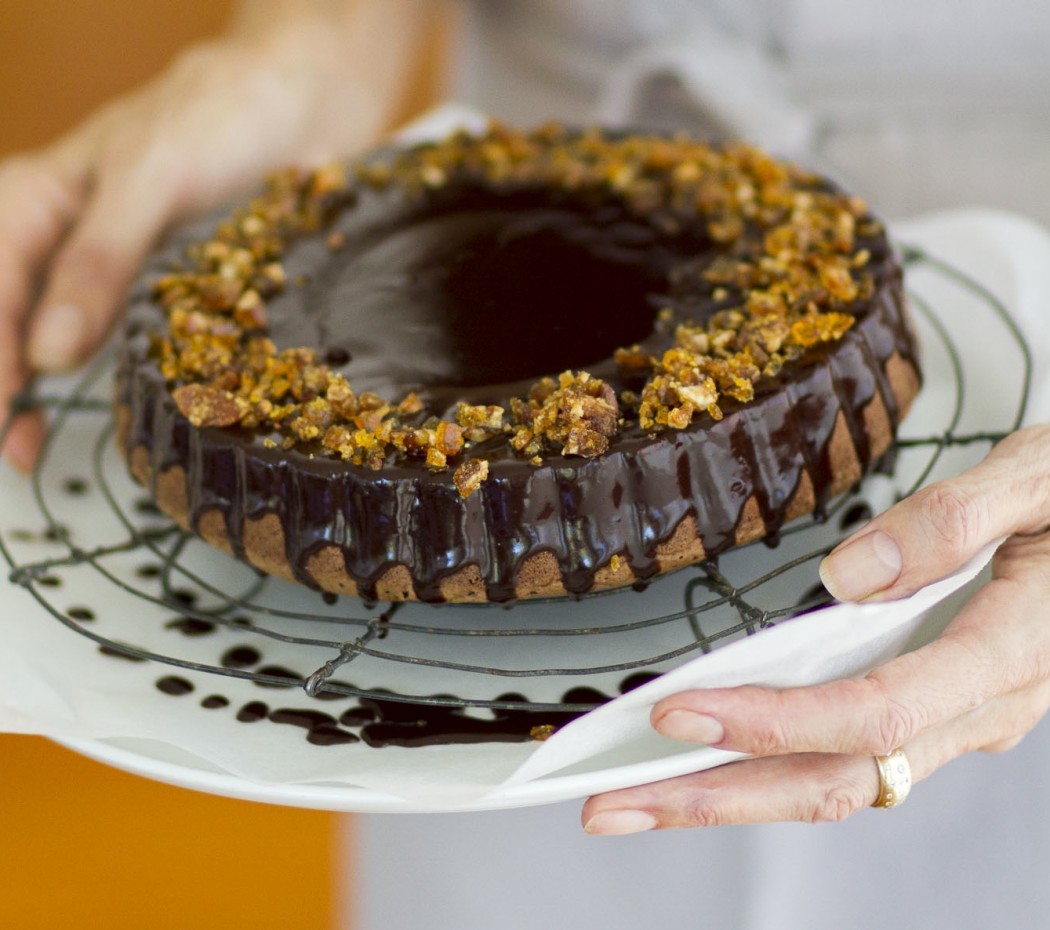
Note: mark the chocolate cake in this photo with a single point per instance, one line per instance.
(515, 364)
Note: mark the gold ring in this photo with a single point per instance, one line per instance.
(894, 779)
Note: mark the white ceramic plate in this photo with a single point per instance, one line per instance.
(1006, 256)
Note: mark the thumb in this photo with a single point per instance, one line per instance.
(91, 272)
(936, 530)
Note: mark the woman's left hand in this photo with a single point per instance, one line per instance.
(983, 684)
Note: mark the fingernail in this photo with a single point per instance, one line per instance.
(57, 338)
(619, 823)
(863, 567)
(691, 727)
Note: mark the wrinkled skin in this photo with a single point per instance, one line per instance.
(982, 685)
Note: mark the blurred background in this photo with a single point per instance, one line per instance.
(82, 845)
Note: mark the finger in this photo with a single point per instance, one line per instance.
(90, 274)
(1002, 745)
(810, 787)
(931, 533)
(38, 199)
(24, 439)
(987, 650)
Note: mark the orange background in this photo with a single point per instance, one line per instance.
(81, 845)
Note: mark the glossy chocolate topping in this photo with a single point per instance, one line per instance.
(478, 299)
(472, 296)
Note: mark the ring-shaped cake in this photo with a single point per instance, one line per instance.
(515, 364)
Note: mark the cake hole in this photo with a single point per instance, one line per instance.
(81, 614)
(561, 289)
(511, 288)
(214, 702)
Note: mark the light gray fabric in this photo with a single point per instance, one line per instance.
(970, 850)
(916, 104)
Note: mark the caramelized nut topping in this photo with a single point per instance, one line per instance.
(542, 732)
(469, 475)
(788, 272)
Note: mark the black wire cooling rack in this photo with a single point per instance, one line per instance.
(97, 557)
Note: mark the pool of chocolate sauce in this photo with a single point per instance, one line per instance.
(475, 301)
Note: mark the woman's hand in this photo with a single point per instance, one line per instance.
(296, 83)
(983, 684)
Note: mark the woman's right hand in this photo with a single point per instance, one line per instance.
(315, 81)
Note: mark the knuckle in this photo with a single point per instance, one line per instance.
(894, 721)
(768, 738)
(771, 732)
(952, 517)
(701, 812)
(894, 727)
(839, 801)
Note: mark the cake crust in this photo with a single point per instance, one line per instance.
(539, 575)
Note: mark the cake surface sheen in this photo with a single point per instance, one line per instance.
(515, 364)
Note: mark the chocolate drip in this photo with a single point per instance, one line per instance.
(598, 276)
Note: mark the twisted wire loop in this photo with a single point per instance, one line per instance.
(98, 527)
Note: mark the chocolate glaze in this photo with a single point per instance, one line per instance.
(473, 298)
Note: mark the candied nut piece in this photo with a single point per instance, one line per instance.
(250, 310)
(479, 422)
(633, 360)
(586, 442)
(448, 438)
(205, 406)
(579, 413)
(469, 475)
